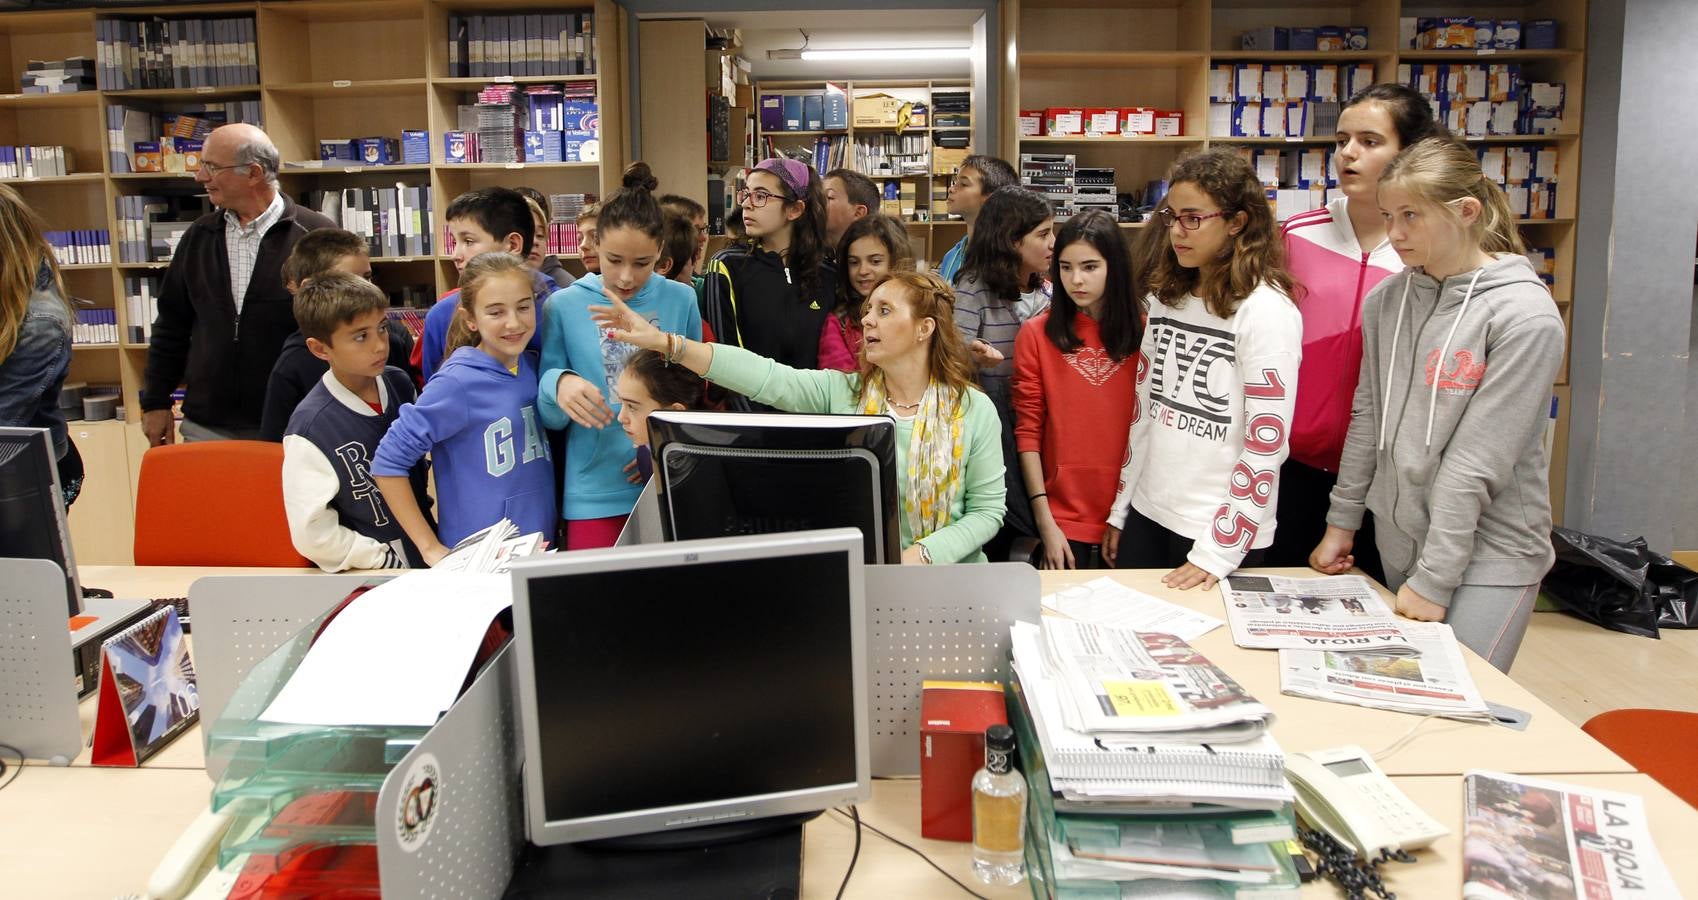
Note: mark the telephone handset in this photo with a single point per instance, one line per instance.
(1343, 793)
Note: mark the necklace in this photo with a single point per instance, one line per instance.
(896, 405)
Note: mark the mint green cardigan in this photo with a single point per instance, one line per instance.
(977, 511)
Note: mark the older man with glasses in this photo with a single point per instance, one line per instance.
(223, 309)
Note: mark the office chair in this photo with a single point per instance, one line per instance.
(1658, 742)
(213, 503)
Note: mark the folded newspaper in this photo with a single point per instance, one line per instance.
(1108, 602)
(1532, 838)
(1116, 679)
(1336, 612)
(492, 550)
(1434, 683)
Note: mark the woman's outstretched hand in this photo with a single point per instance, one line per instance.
(623, 324)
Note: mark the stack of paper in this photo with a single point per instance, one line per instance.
(1435, 682)
(1340, 612)
(1108, 602)
(491, 550)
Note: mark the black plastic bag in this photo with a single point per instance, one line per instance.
(1604, 581)
(1677, 593)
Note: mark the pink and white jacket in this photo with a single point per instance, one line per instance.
(1322, 255)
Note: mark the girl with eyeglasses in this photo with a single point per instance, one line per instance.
(1338, 254)
(1446, 441)
(1217, 377)
(914, 370)
(771, 292)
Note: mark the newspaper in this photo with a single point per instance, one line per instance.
(1337, 612)
(1434, 683)
(1532, 838)
(491, 551)
(1119, 680)
(1108, 602)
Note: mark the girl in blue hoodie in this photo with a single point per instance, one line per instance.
(477, 418)
(581, 364)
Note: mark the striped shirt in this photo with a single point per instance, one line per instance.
(982, 317)
(242, 242)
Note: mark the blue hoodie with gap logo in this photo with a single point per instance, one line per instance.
(478, 421)
(596, 484)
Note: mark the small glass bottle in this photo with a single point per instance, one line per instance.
(999, 813)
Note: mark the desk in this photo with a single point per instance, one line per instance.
(54, 821)
(1550, 745)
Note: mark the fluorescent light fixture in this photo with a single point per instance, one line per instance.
(889, 53)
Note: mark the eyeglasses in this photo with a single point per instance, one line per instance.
(756, 198)
(212, 169)
(1188, 221)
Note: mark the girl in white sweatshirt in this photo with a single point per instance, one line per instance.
(1445, 443)
(1217, 377)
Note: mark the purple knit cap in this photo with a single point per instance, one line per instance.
(794, 174)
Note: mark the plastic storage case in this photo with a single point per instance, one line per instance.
(297, 794)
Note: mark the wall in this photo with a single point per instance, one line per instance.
(1631, 463)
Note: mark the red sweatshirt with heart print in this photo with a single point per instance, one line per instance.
(1075, 410)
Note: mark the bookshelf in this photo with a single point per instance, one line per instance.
(327, 69)
(931, 235)
(1159, 52)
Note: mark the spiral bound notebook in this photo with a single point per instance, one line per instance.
(1246, 774)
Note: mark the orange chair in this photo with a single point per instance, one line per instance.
(1658, 742)
(213, 503)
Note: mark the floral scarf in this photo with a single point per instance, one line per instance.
(935, 450)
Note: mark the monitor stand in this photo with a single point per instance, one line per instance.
(761, 859)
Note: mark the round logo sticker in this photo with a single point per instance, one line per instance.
(421, 793)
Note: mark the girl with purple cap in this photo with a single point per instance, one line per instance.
(772, 292)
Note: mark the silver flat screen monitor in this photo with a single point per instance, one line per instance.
(32, 508)
(677, 685)
(720, 474)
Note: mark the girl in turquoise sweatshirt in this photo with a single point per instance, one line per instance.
(581, 364)
(914, 369)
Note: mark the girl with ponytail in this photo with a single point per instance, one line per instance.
(1444, 446)
(581, 364)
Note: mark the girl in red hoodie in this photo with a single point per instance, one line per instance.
(1338, 254)
(1074, 390)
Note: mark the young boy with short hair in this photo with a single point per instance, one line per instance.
(481, 221)
(337, 515)
(849, 195)
(296, 369)
(588, 243)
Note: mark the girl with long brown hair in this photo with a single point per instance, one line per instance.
(35, 334)
(1216, 381)
(913, 369)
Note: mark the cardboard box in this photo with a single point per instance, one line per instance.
(953, 719)
(379, 151)
(338, 148)
(415, 147)
(1268, 37)
(1355, 37)
(948, 160)
(1138, 120)
(1170, 123)
(1507, 35)
(1060, 121)
(454, 147)
(1449, 33)
(876, 110)
(1539, 34)
(1031, 122)
(1329, 39)
(1102, 121)
(1303, 39)
(146, 157)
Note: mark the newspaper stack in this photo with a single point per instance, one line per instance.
(1532, 838)
(492, 550)
(1340, 612)
(1436, 682)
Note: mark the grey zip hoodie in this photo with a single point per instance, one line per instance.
(1445, 432)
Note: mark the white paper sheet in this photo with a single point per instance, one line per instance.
(397, 655)
(1108, 602)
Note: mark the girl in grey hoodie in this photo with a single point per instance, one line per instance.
(1444, 446)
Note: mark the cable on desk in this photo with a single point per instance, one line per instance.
(19, 767)
(853, 856)
(917, 852)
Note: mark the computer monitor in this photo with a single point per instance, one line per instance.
(32, 508)
(719, 474)
(670, 686)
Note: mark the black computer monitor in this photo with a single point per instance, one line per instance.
(719, 474)
(668, 687)
(32, 508)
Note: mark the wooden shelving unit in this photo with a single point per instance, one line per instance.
(1111, 53)
(328, 69)
(930, 237)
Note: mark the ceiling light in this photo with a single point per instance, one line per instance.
(889, 53)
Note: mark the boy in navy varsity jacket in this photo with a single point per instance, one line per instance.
(337, 515)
